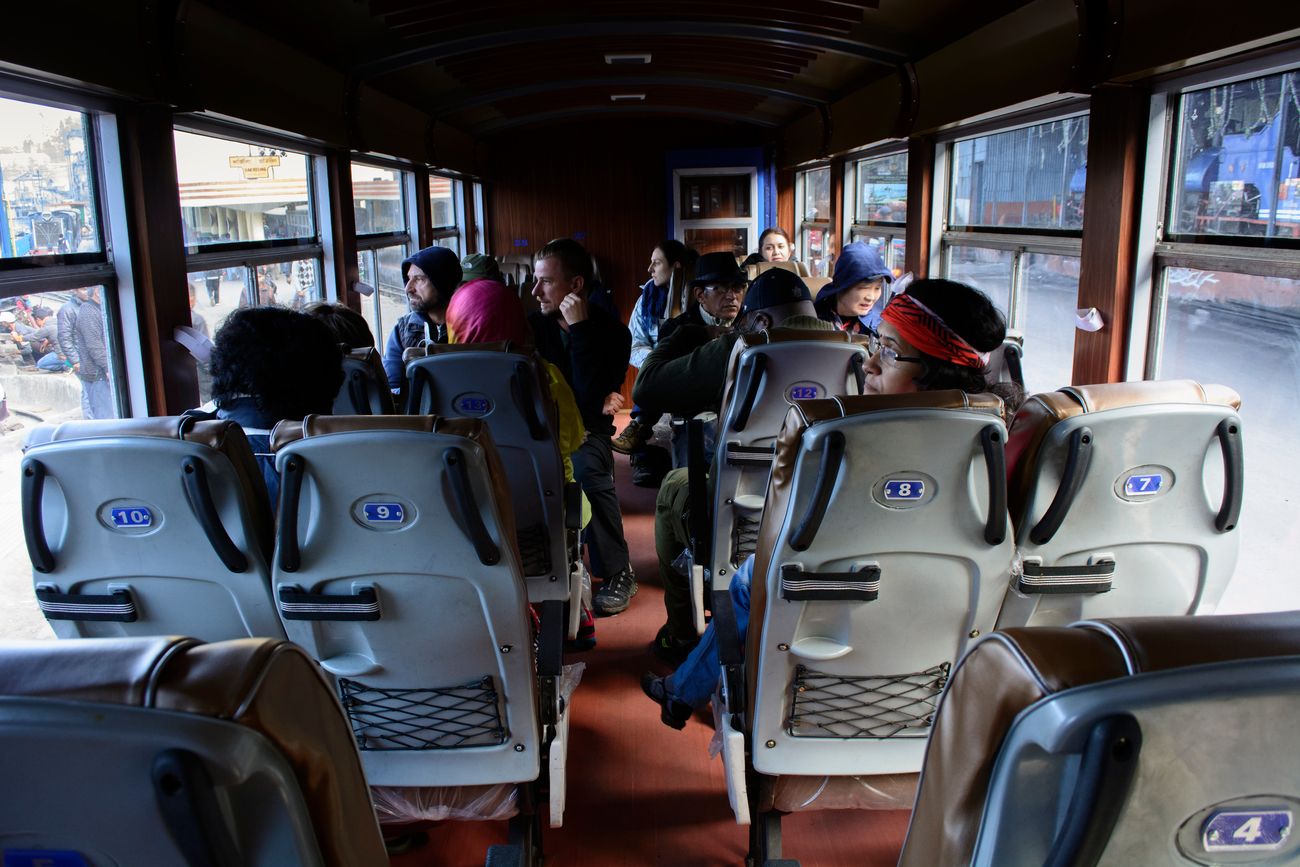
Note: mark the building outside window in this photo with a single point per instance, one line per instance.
(1014, 220)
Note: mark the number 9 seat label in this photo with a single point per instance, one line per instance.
(383, 513)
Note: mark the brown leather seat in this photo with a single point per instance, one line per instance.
(265, 687)
(1014, 668)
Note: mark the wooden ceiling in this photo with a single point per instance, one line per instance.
(500, 65)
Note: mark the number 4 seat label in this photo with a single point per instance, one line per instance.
(1246, 830)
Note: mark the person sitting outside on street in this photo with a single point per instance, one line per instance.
(591, 348)
(937, 335)
(686, 375)
(431, 276)
(854, 298)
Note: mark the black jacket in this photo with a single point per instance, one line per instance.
(593, 356)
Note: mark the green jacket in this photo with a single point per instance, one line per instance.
(686, 373)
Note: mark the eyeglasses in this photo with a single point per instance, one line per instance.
(726, 290)
(888, 354)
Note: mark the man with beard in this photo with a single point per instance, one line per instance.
(431, 275)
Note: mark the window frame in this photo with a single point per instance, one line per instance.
(750, 224)
(109, 267)
(457, 228)
(801, 222)
(852, 189)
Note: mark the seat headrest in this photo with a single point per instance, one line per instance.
(823, 409)
(287, 432)
(214, 433)
(364, 353)
(791, 335)
(416, 352)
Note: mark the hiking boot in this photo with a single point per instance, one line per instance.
(632, 438)
(669, 650)
(615, 595)
(672, 712)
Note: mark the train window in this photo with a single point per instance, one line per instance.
(715, 209)
(875, 189)
(383, 240)
(250, 226)
(1227, 270)
(1015, 219)
(446, 212)
(813, 199)
(1237, 167)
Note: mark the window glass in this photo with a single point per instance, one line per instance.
(286, 284)
(1238, 166)
(987, 270)
(714, 197)
(377, 199)
(816, 195)
(47, 191)
(815, 252)
(893, 249)
(882, 189)
(734, 241)
(442, 205)
(1029, 178)
(382, 269)
(1048, 296)
(451, 242)
(1244, 332)
(232, 191)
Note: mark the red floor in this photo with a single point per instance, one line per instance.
(640, 793)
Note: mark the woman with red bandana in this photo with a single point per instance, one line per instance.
(936, 335)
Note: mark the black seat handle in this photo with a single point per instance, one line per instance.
(358, 393)
(195, 479)
(1012, 354)
(287, 526)
(38, 549)
(1076, 470)
(463, 495)
(995, 460)
(1106, 771)
(697, 495)
(521, 389)
(420, 381)
(858, 364)
(1234, 474)
(827, 473)
(756, 368)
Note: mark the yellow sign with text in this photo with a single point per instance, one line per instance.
(254, 162)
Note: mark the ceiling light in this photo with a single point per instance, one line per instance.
(627, 97)
(628, 59)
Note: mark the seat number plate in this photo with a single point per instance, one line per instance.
(473, 404)
(383, 513)
(43, 858)
(904, 489)
(805, 392)
(131, 516)
(1246, 830)
(1143, 485)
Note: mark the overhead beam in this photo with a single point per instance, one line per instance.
(504, 124)
(468, 40)
(793, 93)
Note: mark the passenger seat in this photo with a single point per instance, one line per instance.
(1125, 498)
(365, 385)
(1117, 742)
(151, 526)
(165, 750)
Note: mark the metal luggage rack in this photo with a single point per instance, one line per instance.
(864, 706)
(442, 718)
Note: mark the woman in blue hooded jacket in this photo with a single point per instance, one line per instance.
(854, 298)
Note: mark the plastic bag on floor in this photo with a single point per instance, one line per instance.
(867, 792)
(399, 805)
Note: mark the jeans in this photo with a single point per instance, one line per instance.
(97, 399)
(695, 679)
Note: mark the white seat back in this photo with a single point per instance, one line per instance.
(365, 385)
(768, 370)
(157, 526)
(401, 576)
(1125, 499)
(885, 550)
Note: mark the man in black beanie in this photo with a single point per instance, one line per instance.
(431, 275)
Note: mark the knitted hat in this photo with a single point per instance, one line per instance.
(773, 289)
(439, 264)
